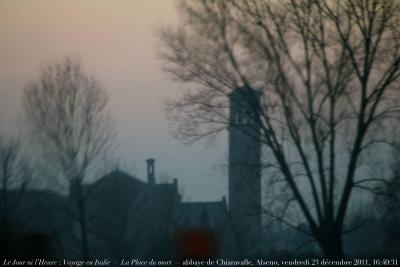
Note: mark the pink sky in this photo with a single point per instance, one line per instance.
(116, 42)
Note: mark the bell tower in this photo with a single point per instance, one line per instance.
(245, 167)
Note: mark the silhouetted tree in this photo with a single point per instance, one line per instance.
(66, 112)
(328, 73)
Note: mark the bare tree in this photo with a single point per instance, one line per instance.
(66, 111)
(328, 73)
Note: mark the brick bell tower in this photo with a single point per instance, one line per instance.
(245, 168)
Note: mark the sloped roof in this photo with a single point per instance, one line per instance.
(121, 188)
(118, 177)
(115, 189)
(113, 195)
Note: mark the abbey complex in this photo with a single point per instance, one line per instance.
(127, 218)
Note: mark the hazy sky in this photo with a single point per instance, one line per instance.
(116, 42)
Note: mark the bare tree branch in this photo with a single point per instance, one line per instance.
(66, 112)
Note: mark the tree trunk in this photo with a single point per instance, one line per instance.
(332, 246)
(83, 230)
(79, 206)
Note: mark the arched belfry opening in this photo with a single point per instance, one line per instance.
(151, 171)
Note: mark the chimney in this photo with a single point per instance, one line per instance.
(150, 171)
